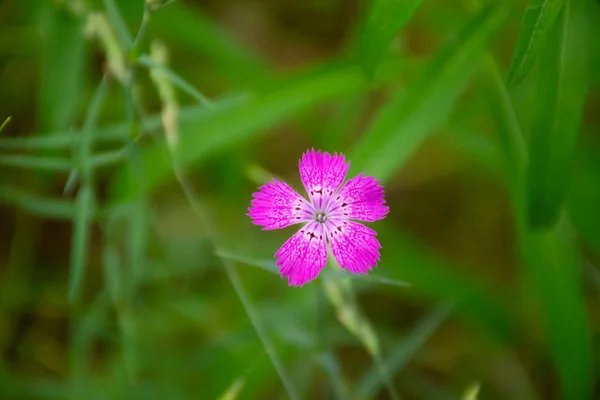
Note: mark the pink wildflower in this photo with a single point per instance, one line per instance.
(328, 216)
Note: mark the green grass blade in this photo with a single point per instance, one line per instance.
(351, 316)
(6, 121)
(110, 134)
(249, 119)
(399, 356)
(384, 20)
(511, 137)
(432, 279)
(53, 164)
(64, 66)
(585, 198)
(329, 275)
(45, 207)
(85, 203)
(331, 366)
(561, 93)
(535, 29)
(555, 273)
(118, 23)
(404, 123)
(176, 80)
(195, 32)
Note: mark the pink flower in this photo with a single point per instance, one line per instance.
(327, 217)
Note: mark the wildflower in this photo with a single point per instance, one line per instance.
(328, 217)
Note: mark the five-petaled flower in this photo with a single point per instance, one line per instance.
(328, 217)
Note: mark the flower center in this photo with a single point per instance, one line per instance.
(321, 217)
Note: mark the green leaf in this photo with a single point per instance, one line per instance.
(405, 122)
(561, 92)
(535, 29)
(383, 22)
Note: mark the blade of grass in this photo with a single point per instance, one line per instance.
(118, 23)
(511, 137)
(555, 275)
(332, 368)
(431, 278)
(146, 61)
(585, 197)
(404, 123)
(561, 93)
(85, 202)
(342, 297)
(248, 119)
(193, 31)
(113, 133)
(384, 20)
(369, 384)
(269, 266)
(472, 392)
(6, 121)
(63, 68)
(45, 207)
(535, 29)
(53, 164)
(170, 122)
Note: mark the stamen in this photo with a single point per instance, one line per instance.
(321, 217)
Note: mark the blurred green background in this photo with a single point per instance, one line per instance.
(139, 130)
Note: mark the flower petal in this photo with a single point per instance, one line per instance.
(322, 174)
(276, 205)
(362, 199)
(353, 245)
(304, 255)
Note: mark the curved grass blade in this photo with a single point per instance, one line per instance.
(562, 89)
(404, 123)
(384, 19)
(535, 29)
(6, 121)
(369, 384)
(177, 80)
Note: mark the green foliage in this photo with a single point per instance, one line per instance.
(129, 270)
(536, 28)
(560, 99)
(384, 20)
(405, 122)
